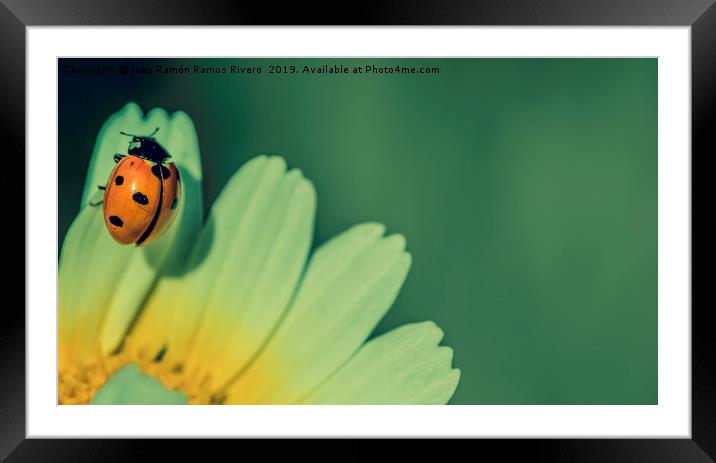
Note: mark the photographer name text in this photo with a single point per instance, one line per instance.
(277, 69)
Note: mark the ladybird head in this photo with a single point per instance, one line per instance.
(138, 142)
(146, 147)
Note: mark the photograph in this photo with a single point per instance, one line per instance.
(357, 231)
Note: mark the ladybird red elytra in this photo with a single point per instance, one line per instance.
(142, 193)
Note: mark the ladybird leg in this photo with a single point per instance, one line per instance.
(118, 157)
(98, 196)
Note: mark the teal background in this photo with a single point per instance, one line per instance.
(526, 189)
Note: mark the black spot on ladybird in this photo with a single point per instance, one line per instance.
(116, 221)
(140, 198)
(174, 203)
(118, 180)
(165, 174)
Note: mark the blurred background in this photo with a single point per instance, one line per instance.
(526, 189)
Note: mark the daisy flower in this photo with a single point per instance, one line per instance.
(236, 310)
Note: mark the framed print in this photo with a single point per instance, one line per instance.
(468, 228)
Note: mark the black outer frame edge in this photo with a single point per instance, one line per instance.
(12, 327)
(527, 450)
(385, 12)
(703, 100)
(462, 12)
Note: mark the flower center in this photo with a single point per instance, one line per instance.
(129, 377)
(79, 384)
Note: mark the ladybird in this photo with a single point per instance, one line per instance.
(142, 193)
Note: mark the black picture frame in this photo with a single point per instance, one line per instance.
(700, 15)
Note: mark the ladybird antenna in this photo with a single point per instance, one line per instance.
(148, 136)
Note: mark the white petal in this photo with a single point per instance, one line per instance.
(404, 366)
(349, 285)
(133, 270)
(91, 264)
(244, 270)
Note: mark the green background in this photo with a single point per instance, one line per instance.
(526, 188)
